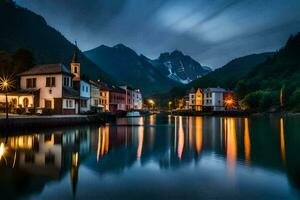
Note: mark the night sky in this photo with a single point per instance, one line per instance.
(211, 31)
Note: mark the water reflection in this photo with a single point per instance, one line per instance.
(282, 141)
(231, 146)
(247, 141)
(214, 145)
(198, 134)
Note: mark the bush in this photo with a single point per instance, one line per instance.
(260, 100)
(294, 102)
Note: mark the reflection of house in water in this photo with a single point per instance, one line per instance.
(49, 155)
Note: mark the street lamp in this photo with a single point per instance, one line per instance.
(170, 103)
(6, 83)
(151, 102)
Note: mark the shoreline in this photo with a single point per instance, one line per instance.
(38, 122)
(230, 113)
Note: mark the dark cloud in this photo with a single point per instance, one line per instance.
(211, 31)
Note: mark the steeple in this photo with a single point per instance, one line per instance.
(75, 58)
(75, 64)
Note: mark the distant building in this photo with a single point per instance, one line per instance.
(213, 99)
(187, 102)
(195, 99)
(192, 100)
(104, 97)
(118, 99)
(95, 96)
(129, 96)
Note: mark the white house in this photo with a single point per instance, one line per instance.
(95, 95)
(52, 84)
(192, 98)
(213, 98)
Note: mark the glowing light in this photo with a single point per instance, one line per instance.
(247, 142)
(282, 141)
(2, 150)
(75, 159)
(6, 83)
(151, 101)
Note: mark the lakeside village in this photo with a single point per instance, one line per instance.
(54, 89)
(206, 101)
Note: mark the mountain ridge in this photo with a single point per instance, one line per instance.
(28, 30)
(115, 58)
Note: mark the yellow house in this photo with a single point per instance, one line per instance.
(198, 100)
(104, 98)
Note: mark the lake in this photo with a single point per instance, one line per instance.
(156, 157)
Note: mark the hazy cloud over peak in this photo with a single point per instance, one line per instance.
(211, 31)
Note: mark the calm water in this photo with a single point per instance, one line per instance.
(159, 157)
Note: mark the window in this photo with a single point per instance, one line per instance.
(87, 89)
(48, 104)
(67, 81)
(82, 88)
(30, 82)
(70, 103)
(75, 70)
(83, 103)
(50, 82)
(96, 102)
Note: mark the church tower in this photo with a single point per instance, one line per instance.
(75, 64)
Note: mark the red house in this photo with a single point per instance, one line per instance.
(117, 99)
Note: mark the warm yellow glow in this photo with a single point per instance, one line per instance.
(180, 138)
(140, 141)
(99, 144)
(21, 142)
(151, 101)
(190, 129)
(229, 102)
(282, 141)
(231, 144)
(106, 139)
(198, 100)
(50, 142)
(75, 159)
(199, 134)
(247, 142)
(2, 150)
(6, 83)
(151, 120)
(103, 142)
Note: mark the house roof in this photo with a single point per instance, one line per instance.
(70, 93)
(192, 90)
(24, 92)
(116, 89)
(47, 69)
(218, 89)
